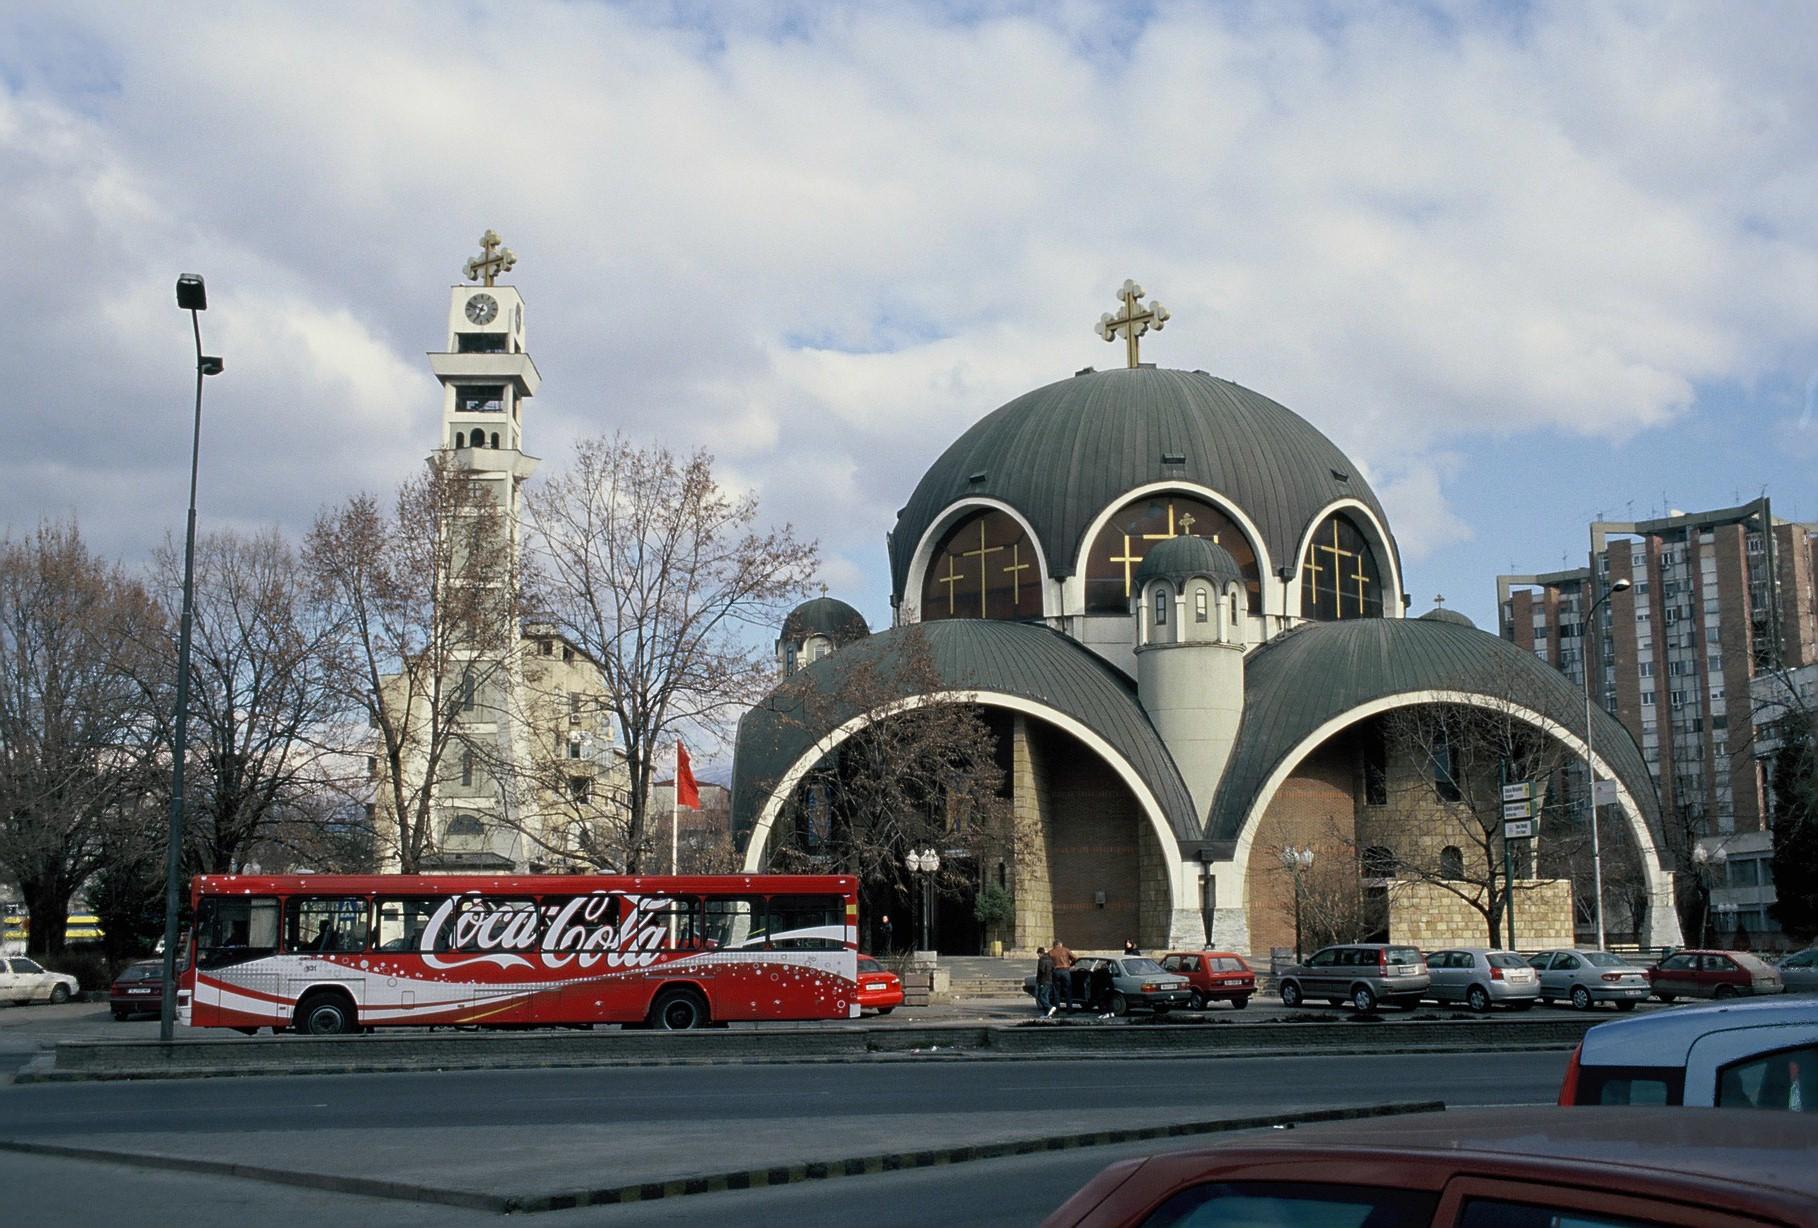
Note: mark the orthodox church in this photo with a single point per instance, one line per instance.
(1182, 607)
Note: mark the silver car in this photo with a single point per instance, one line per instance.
(1362, 974)
(1481, 978)
(1586, 978)
(1800, 971)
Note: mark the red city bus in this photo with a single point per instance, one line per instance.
(331, 953)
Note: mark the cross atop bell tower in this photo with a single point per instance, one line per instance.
(494, 258)
(487, 375)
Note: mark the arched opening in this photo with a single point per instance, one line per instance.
(1135, 528)
(495, 439)
(985, 566)
(1340, 576)
(1451, 862)
(460, 439)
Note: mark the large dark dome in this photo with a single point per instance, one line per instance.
(1061, 454)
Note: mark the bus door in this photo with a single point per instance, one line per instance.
(325, 937)
(237, 977)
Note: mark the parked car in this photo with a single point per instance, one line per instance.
(137, 989)
(1213, 976)
(1754, 1054)
(1127, 982)
(1586, 978)
(1362, 974)
(1799, 971)
(1526, 1167)
(25, 980)
(1712, 974)
(879, 989)
(1481, 978)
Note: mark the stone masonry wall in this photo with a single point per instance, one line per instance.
(1429, 916)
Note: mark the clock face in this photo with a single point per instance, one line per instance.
(481, 308)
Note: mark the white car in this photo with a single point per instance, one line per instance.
(1756, 1053)
(23, 980)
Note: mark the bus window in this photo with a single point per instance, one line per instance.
(680, 920)
(729, 922)
(807, 923)
(402, 922)
(234, 929)
(325, 923)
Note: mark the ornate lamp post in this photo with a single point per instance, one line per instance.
(192, 296)
(923, 865)
(1296, 860)
(1707, 863)
(1590, 763)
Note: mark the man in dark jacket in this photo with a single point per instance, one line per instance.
(1044, 984)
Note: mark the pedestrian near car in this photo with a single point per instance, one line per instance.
(886, 935)
(1130, 947)
(1044, 984)
(1102, 990)
(1063, 972)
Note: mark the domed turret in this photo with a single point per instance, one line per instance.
(1181, 558)
(814, 629)
(1443, 615)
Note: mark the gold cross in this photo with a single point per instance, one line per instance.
(1361, 581)
(495, 260)
(1016, 568)
(1314, 571)
(1127, 559)
(1131, 323)
(980, 554)
(1186, 524)
(1337, 552)
(1162, 537)
(950, 579)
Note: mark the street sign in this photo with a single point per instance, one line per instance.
(1521, 830)
(1518, 793)
(1606, 793)
(1518, 810)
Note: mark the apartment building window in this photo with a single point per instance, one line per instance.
(581, 788)
(574, 707)
(467, 767)
(574, 748)
(546, 647)
(1647, 699)
(467, 690)
(1643, 614)
(1716, 663)
(1647, 669)
(1679, 699)
(1712, 636)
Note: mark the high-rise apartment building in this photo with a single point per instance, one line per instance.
(1717, 600)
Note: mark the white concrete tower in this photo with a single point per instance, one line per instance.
(1192, 608)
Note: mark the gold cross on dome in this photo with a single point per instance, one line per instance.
(951, 580)
(1016, 568)
(495, 259)
(1131, 322)
(1128, 560)
(1186, 525)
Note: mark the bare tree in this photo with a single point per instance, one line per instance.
(657, 574)
(75, 732)
(421, 599)
(1446, 765)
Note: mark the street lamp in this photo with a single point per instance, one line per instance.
(192, 296)
(1590, 763)
(923, 863)
(1296, 860)
(1707, 863)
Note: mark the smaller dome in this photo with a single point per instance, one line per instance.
(1181, 558)
(1443, 615)
(828, 616)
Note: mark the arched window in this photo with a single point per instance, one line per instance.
(1340, 577)
(495, 439)
(460, 439)
(1199, 605)
(1451, 862)
(1133, 531)
(1161, 607)
(985, 567)
(465, 825)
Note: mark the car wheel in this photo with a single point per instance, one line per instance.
(325, 1014)
(60, 994)
(1581, 998)
(1239, 1003)
(678, 1010)
(1196, 1001)
(1478, 999)
(1725, 992)
(1363, 999)
(1118, 1005)
(1290, 993)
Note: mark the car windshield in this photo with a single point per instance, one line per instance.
(1141, 967)
(867, 964)
(1603, 959)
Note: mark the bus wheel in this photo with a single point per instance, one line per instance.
(678, 1010)
(325, 1014)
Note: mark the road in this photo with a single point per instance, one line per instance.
(516, 1130)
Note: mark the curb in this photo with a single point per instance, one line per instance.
(738, 1179)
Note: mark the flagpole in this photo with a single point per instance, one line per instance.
(675, 806)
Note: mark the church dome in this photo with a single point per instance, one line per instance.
(1181, 558)
(1443, 615)
(1062, 454)
(828, 616)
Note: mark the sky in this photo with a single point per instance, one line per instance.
(1525, 263)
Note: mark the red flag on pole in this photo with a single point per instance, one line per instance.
(687, 793)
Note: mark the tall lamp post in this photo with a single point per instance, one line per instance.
(1708, 863)
(1590, 762)
(1296, 860)
(192, 296)
(923, 863)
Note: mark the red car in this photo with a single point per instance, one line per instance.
(880, 989)
(1713, 974)
(1213, 976)
(137, 989)
(1527, 1167)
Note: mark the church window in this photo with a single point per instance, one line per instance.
(467, 767)
(495, 439)
(460, 439)
(984, 567)
(1199, 605)
(1161, 607)
(480, 399)
(1340, 576)
(1445, 779)
(1451, 863)
(1135, 529)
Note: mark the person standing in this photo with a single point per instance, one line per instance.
(886, 935)
(1044, 984)
(1063, 972)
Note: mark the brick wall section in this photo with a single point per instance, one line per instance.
(1429, 916)
(1521, 619)
(1314, 808)
(1794, 549)
(1092, 844)
(1155, 906)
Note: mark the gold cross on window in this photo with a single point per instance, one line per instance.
(1162, 537)
(1128, 560)
(1016, 568)
(951, 579)
(1337, 552)
(979, 554)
